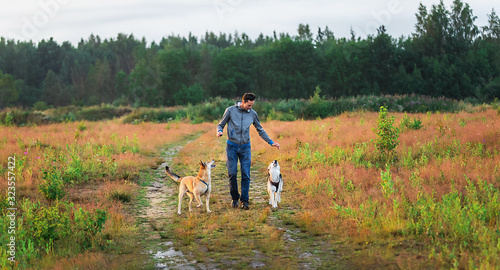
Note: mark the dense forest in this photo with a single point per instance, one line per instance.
(446, 56)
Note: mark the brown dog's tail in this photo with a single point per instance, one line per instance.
(172, 175)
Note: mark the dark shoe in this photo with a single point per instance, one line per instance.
(234, 204)
(244, 206)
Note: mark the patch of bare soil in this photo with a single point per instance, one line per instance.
(154, 212)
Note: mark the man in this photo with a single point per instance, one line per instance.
(239, 118)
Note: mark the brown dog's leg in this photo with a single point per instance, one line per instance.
(190, 201)
(198, 199)
(182, 191)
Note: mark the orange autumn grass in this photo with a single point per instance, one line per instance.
(33, 143)
(98, 163)
(442, 171)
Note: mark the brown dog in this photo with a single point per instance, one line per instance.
(195, 186)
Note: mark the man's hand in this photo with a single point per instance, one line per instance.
(219, 134)
(276, 145)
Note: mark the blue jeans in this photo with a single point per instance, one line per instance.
(244, 154)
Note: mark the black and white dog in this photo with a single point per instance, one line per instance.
(274, 184)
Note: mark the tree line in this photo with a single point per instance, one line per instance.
(447, 55)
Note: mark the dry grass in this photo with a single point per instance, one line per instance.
(346, 131)
(99, 163)
(435, 207)
(119, 190)
(459, 150)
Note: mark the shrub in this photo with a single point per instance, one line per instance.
(406, 123)
(387, 136)
(317, 106)
(416, 124)
(8, 119)
(18, 117)
(281, 116)
(52, 186)
(98, 113)
(40, 106)
(153, 115)
(61, 226)
(81, 126)
(285, 110)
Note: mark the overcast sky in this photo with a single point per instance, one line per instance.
(72, 20)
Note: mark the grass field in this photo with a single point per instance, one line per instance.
(350, 200)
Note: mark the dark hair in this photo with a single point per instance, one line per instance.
(248, 97)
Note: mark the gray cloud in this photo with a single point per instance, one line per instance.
(153, 19)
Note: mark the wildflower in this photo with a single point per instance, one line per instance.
(38, 158)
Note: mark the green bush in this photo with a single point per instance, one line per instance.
(281, 116)
(81, 126)
(317, 106)
(61, 226)
(18, 117)
(153, 115)
(387, 136)
(52, 186)
(459, 221)
(406, 123)
(40, 106)
(213, 108)
(416, 124)
(98, 113)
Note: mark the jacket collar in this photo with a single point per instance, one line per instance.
(239, 107)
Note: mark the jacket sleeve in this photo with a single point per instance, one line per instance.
(223, 121)
(260, 130)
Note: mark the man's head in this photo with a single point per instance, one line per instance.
(247, 101)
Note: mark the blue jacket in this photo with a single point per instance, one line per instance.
(238, 123)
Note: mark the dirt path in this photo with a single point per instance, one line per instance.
(159, 208)
(154, 212)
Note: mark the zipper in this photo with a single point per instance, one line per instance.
(241, 128)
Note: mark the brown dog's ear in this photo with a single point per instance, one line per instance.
(202, 164)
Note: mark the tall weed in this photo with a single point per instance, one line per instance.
(387, 184)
